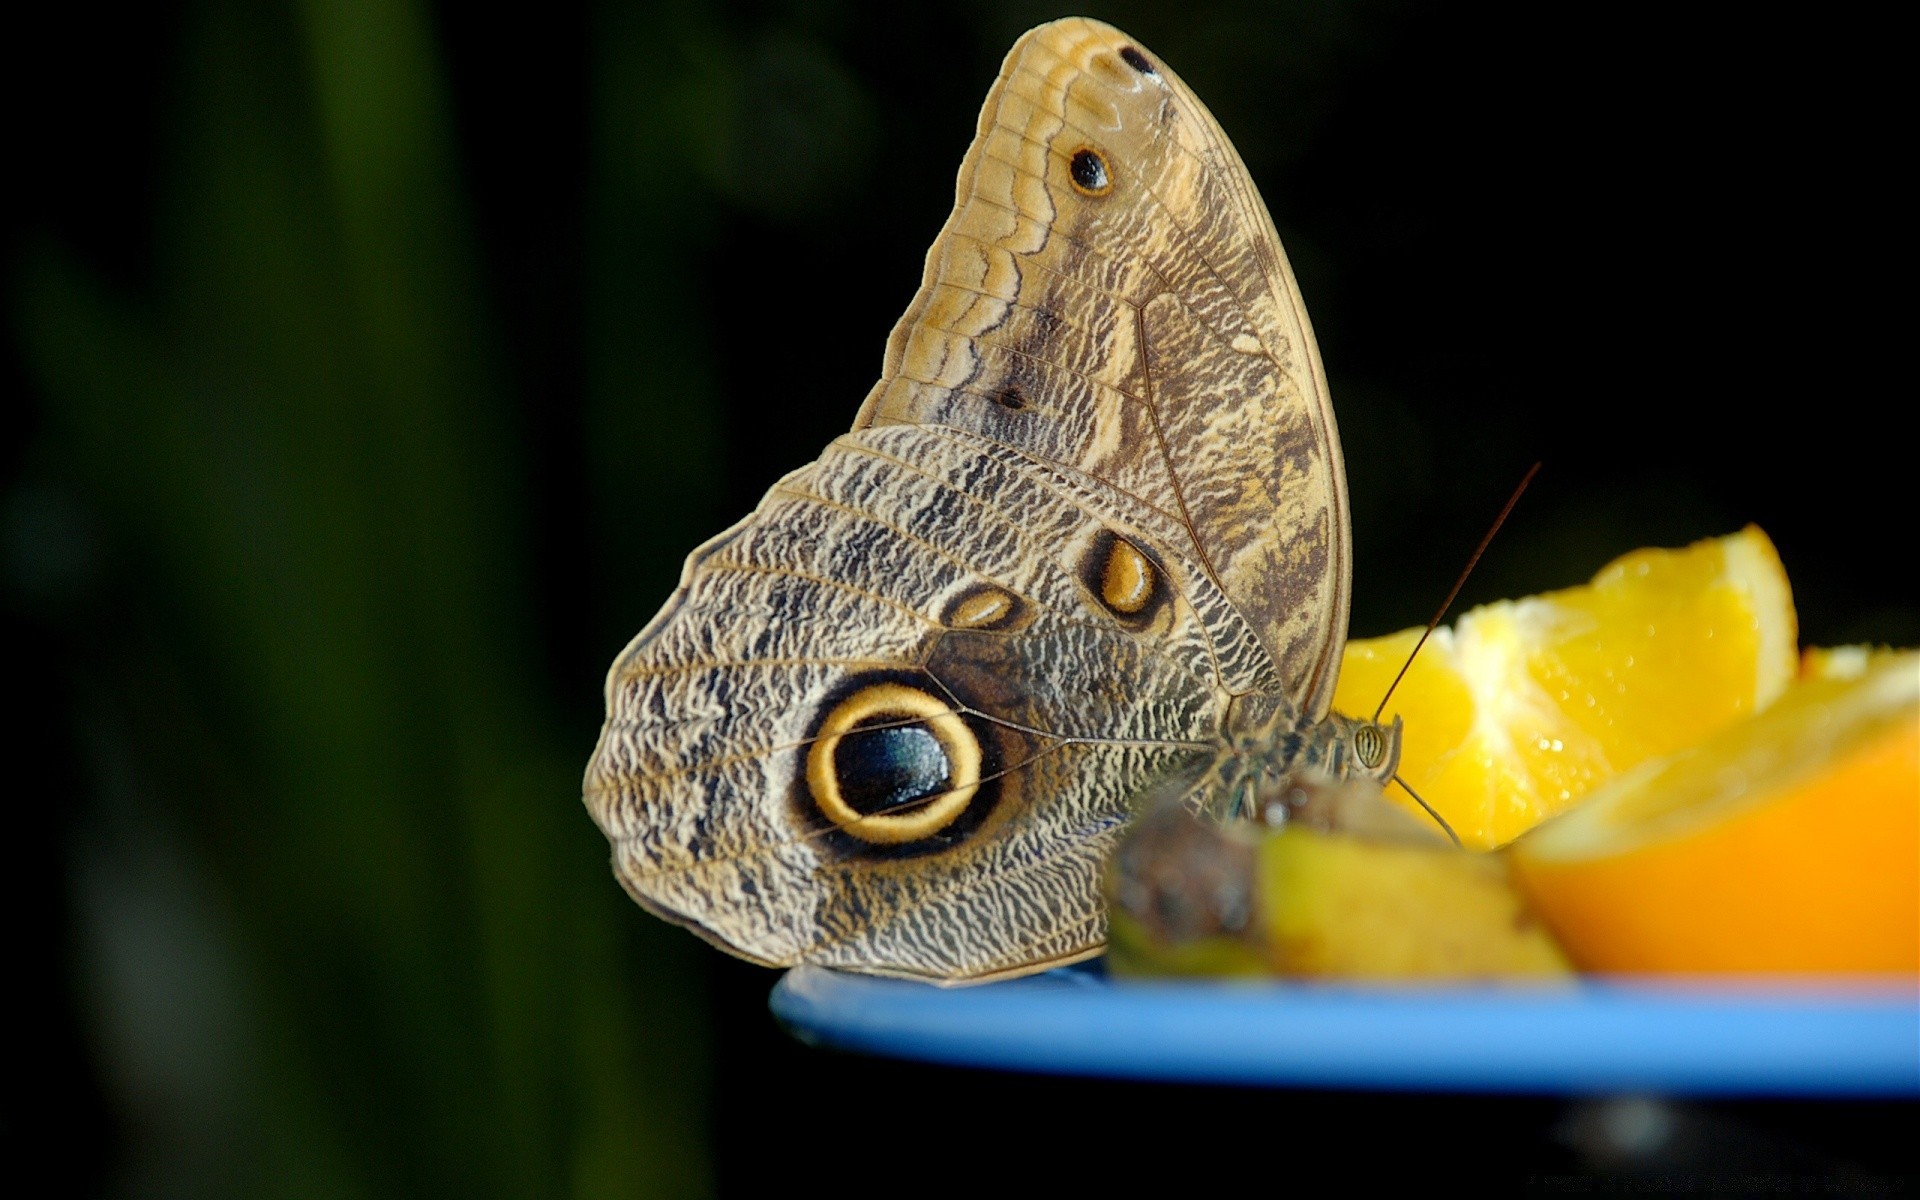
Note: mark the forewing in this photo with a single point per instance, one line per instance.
(1109, 295)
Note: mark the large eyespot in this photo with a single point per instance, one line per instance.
(893, 764)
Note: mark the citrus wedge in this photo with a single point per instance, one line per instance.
(1789, 842)
(1842, 662)
(1522, 707)
(1349, 887)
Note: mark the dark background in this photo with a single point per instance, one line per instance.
(371, 365)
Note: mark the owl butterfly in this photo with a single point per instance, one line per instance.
(1087, 540)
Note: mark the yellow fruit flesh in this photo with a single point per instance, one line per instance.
(1524, 706)
(1817, 725)
(1789, 842)
(1132, 951)
(1354, 908)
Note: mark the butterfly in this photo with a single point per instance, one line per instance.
(1087, 540)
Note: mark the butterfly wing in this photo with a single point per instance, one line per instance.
(1109, 294)
(890, 721)
(893, 720)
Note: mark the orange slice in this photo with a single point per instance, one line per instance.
(1789, 842)
(1523, 707)
(1842, 662)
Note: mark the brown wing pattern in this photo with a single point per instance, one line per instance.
(862, 567)
(1109, 295)
(895, 720)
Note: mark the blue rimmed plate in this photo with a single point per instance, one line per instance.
(1824, 1038)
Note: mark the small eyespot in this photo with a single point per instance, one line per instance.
(1368, 746)
(1011, 398)
(892, 764)
(1127, 583)
(1089, 172)
(1137, 60)
(985, 607)
(1123, 580)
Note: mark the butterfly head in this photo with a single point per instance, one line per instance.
(1375, 748)
(1353, 748)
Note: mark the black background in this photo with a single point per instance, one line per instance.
(645, 259)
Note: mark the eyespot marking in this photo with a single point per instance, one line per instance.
(1137, 60)
(1010, 397)
(985, 607)
(1123, 578)
(893, 764)
(1088, 170)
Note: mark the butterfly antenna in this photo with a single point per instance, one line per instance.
(1430, 810)
(1448, 603)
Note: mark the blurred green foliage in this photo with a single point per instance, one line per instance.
(348, 930)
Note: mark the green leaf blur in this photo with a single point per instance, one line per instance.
(349, 933)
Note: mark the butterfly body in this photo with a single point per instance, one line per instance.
(1087, 536)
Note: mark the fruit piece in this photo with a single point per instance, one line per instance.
(1180, 897)
(1788, 842)
(1841, 662)
(1355, 908)
(1348, 887)
(1522, 707)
